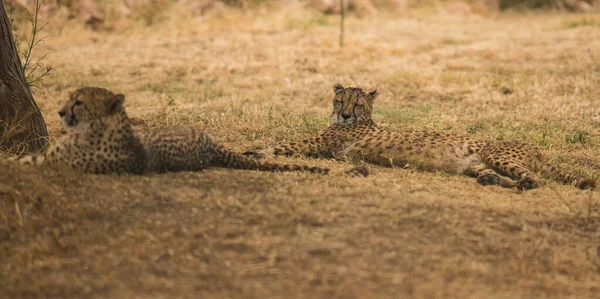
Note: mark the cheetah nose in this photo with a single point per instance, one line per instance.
(346, 115)
(61, 113)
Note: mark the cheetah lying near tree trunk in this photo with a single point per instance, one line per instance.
(352, 133)
(103, 141)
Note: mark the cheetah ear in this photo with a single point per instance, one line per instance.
(338, 87)
(373, 94)
(115, 103)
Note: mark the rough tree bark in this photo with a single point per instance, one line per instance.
(22, 126)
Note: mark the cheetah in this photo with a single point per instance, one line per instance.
(101, 140)
(352, 133)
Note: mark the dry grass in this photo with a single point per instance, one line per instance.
(256, 81)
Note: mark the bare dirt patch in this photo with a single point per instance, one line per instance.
(256, 82)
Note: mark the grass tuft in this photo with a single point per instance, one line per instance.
(577, 137)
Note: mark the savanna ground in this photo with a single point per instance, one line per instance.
(254, 80)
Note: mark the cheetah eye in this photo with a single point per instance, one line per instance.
(360, 105)
(77, 103)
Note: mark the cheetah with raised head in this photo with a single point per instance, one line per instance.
(101, 140)
(352, 133)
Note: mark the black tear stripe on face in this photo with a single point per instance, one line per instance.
(337, 113)
(355, 105)
(73, 118)
(341, 111)
(75, 95)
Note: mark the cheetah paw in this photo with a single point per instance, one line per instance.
(587, 184)
(488, 179)
(527, 183)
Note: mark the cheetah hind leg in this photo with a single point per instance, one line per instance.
(526, 179)
(487, 176)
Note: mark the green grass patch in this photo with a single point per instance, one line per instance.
(577, 137)
(584, 22)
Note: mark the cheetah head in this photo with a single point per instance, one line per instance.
(351, 105)
(87, 105)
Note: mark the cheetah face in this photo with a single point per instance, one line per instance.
(351, 105)
(87, 105)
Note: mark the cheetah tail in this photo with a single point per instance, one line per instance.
(235, 160)
(551, 172)
(265, 166)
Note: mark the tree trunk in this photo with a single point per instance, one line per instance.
(22, 126)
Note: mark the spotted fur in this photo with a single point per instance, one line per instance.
(101, 140)
(352, 133)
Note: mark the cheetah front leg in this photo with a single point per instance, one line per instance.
(312, 147)
(35, 159)
(487, 176)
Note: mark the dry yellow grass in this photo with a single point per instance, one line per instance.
(254, 80)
